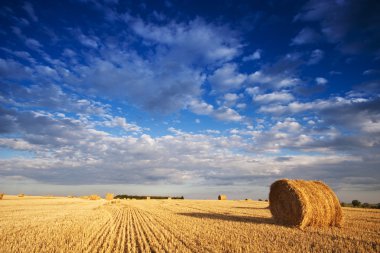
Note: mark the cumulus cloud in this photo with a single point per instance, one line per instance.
(121, 122)
(10, 69)
(338, 113)
(50, 97)
(150, 85)
(148, 80)
(195, 42)
(223, 113)
(201, 107)
(280, 74)
(227, 114)
(71, 151)
(277, 81)
(230, 99)
(227, 78)
(275, 97)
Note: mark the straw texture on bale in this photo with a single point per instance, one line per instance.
(304, 203)
(222, 197)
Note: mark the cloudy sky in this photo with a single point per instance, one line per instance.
(189, 98)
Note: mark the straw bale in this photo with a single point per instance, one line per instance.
(304, 203)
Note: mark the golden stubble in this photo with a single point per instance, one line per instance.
(61, 224)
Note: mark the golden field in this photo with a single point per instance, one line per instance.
(59, 224)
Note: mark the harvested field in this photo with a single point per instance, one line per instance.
(40, 224)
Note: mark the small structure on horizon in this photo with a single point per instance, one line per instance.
(222, 197)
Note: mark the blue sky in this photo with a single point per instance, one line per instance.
(189, 98)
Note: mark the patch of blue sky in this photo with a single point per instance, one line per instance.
(7, 153)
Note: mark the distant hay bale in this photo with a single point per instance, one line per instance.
(248, 199)
(148, 197)
(169, 197)
(222, 197)
(94, 197)
(21, 195)
(109, 196)
(304, 203)
(1, 195)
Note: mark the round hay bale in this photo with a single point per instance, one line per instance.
(109, 196)
(222, 197)
(304, 203)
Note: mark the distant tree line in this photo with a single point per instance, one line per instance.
(357, 203)
(124, 196)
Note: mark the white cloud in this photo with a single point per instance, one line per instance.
(277, 81)
(255, 56)
(321, 80)
(121, 122)
(200, 107)
(13, 70)
(230, 97)
(297, 107)
(227, 114)
(195, 42)
(252, 90)
(222, 113)
(151, 85)
(241, 106)
(275, 97)
(227, 78)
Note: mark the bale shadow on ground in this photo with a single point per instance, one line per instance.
(250, 208)
(229, 217)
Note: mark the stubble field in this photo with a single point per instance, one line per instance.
(40, 224)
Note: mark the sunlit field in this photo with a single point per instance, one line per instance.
(54, 224)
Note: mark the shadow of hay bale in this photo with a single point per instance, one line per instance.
(228, 217)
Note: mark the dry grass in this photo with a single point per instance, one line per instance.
(77, 225)
(94, 197)
(304, 203)
(222, 197)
